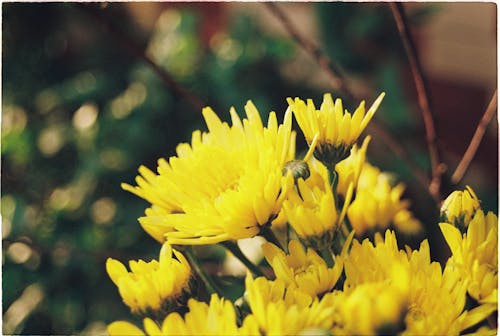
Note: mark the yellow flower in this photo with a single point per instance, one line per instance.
(378, 205)
(278, 310)
(433, 290)
(374, 308)
(373, 263)
(304, 270)
(152, 287)
(338, 130)
(459, 208)
(434, 298)
(216, 318)
(311, 209)
(226, 185)
(350, 169)
(476, 254)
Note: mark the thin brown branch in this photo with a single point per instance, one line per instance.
(437, 166)
(338, 82)
(476, 140)
(136, 51)
(334, 73)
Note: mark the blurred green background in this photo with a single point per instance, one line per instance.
(81, 112)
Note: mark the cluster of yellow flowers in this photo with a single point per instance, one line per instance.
(243, 180)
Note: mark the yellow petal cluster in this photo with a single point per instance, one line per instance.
(459, 207)
(278, 310)
(225, 185)
(337, 129)
(235, 181)
(378, 204)
(151, 287)
(374, 308)
(216, 318)
(304, 270)
(434, 298)
(476, 254)
(311, 208)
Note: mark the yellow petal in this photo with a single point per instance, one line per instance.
(123, 328)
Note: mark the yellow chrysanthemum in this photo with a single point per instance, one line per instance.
(378, 205)
(476, 254)
(374, 308)
(459, 207)
(373, 263)
(350, 169)
(337, 129)
(226, 185)
(304, 270)
(428, 288)
(216, 318)
(278, 310)
(311, 209)
(433, 290)
(152, 287)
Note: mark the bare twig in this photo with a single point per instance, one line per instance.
(438, 168)
(136, 51)
(476, 140)
(334, 73)
(338, 82)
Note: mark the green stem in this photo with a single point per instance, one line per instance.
(207, 280)
(339, 241)
(345, 231)
(333, 178)
(236, 251)
(327, 256)
(267, 233)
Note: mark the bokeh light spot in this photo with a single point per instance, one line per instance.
(131, 98)
(19, 252)
(59, 199)
(20, 309)
(103, 210)
(226, 48)
(50, 141)
(85, 116)
(14, 119)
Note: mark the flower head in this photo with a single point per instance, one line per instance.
(152, 287)
(459, 207)
(281, 310)
(304, 270)
(378, 204)
(311, 208)
(373, 308)
(476, 254)
(225, 185)
(337, 129)
(216, 318)
(415, 281)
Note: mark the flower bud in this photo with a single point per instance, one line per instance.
(459, 207)
(298, 168)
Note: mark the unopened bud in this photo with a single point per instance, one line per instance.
(459, 208)
(298, 168)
